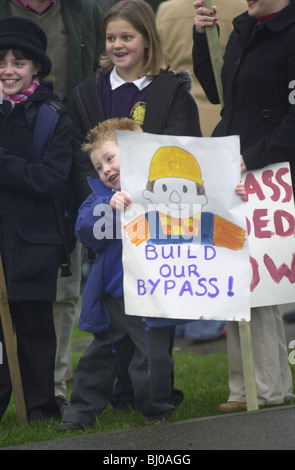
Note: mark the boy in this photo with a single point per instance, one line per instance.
(103, 306)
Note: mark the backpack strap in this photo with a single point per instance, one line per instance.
(48, 116)
(47, 119)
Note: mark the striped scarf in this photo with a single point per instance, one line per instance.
(175, 226)
(21, 96)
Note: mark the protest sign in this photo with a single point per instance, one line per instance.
(185, 249)
(270, 224)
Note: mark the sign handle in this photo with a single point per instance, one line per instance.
(215, 53)
(11, 352)
(248, 365)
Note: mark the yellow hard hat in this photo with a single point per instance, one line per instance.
(174, 162)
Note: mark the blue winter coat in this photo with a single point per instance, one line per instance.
(94, 315)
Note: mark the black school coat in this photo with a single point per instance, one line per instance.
(30, 240)
(170, 109)
(256, 75)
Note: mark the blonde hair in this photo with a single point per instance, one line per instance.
(106, 130)
(141, 16)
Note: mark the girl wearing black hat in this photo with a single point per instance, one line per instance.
(30, 241)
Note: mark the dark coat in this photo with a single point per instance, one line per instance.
(170, 109)
(256, 75)
(30, 240)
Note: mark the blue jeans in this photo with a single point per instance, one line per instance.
(203, 330)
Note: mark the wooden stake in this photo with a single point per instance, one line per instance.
(11, 352)
(248, 365)
(215, 53)
(244, 327)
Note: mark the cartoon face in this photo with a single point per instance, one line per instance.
(177, 197)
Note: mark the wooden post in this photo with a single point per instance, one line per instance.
(215, 53)
(11, 352)
(248, 365)
(244, 327)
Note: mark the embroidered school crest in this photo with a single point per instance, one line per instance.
(137, 113)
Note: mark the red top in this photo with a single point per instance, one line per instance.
(26, 5)
(262, 19)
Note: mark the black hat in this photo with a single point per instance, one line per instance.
(22, 33)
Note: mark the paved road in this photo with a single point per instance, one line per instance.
(267, 429)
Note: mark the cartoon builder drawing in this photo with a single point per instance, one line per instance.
(176, 190)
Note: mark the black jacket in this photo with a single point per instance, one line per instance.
(170, 109)
(257, 71)
(30, 240)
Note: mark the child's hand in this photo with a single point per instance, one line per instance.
(240, 190)
(120, 201)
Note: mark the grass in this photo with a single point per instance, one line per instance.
(202, 378)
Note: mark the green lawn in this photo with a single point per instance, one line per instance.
(202, 378)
